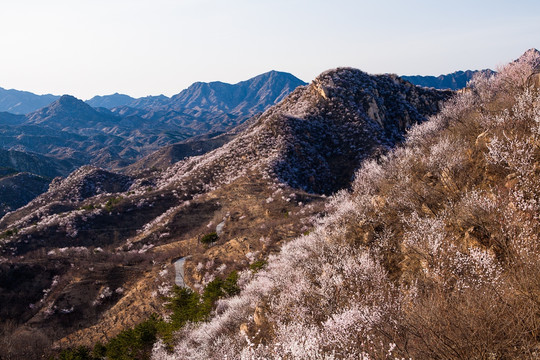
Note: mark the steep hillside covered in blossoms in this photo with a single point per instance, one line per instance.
(433, 254)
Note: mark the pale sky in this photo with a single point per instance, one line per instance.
(151, 47)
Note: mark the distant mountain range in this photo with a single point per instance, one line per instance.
(69, 128)
(67, 133)
(23, 102)
(246, 96)
(454, 81)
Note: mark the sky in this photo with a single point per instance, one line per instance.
(151, 47)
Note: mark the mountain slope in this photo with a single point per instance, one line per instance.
(18, 189)
(43, 166)
(171, 154)
(433, 254)
(7, 118)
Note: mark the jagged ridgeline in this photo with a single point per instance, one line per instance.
(113, 236)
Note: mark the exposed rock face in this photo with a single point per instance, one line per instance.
(534, 81)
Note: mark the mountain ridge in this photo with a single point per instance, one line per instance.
(453, 81)
(265, 185)
(22, 102)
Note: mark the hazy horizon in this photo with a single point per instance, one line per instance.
(142, 47)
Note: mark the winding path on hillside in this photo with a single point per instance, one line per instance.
(179, 271)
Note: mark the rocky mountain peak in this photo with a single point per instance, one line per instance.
(533, 51)
(244, 98)
(66, 108)
(71, 104)
(318, 135)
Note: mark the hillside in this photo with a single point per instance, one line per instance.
(17, 189)
(26, 175)
(259, 190)
(44, 166)
(433, 254)
(171, 154)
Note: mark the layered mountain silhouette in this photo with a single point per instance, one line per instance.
(244, 98)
